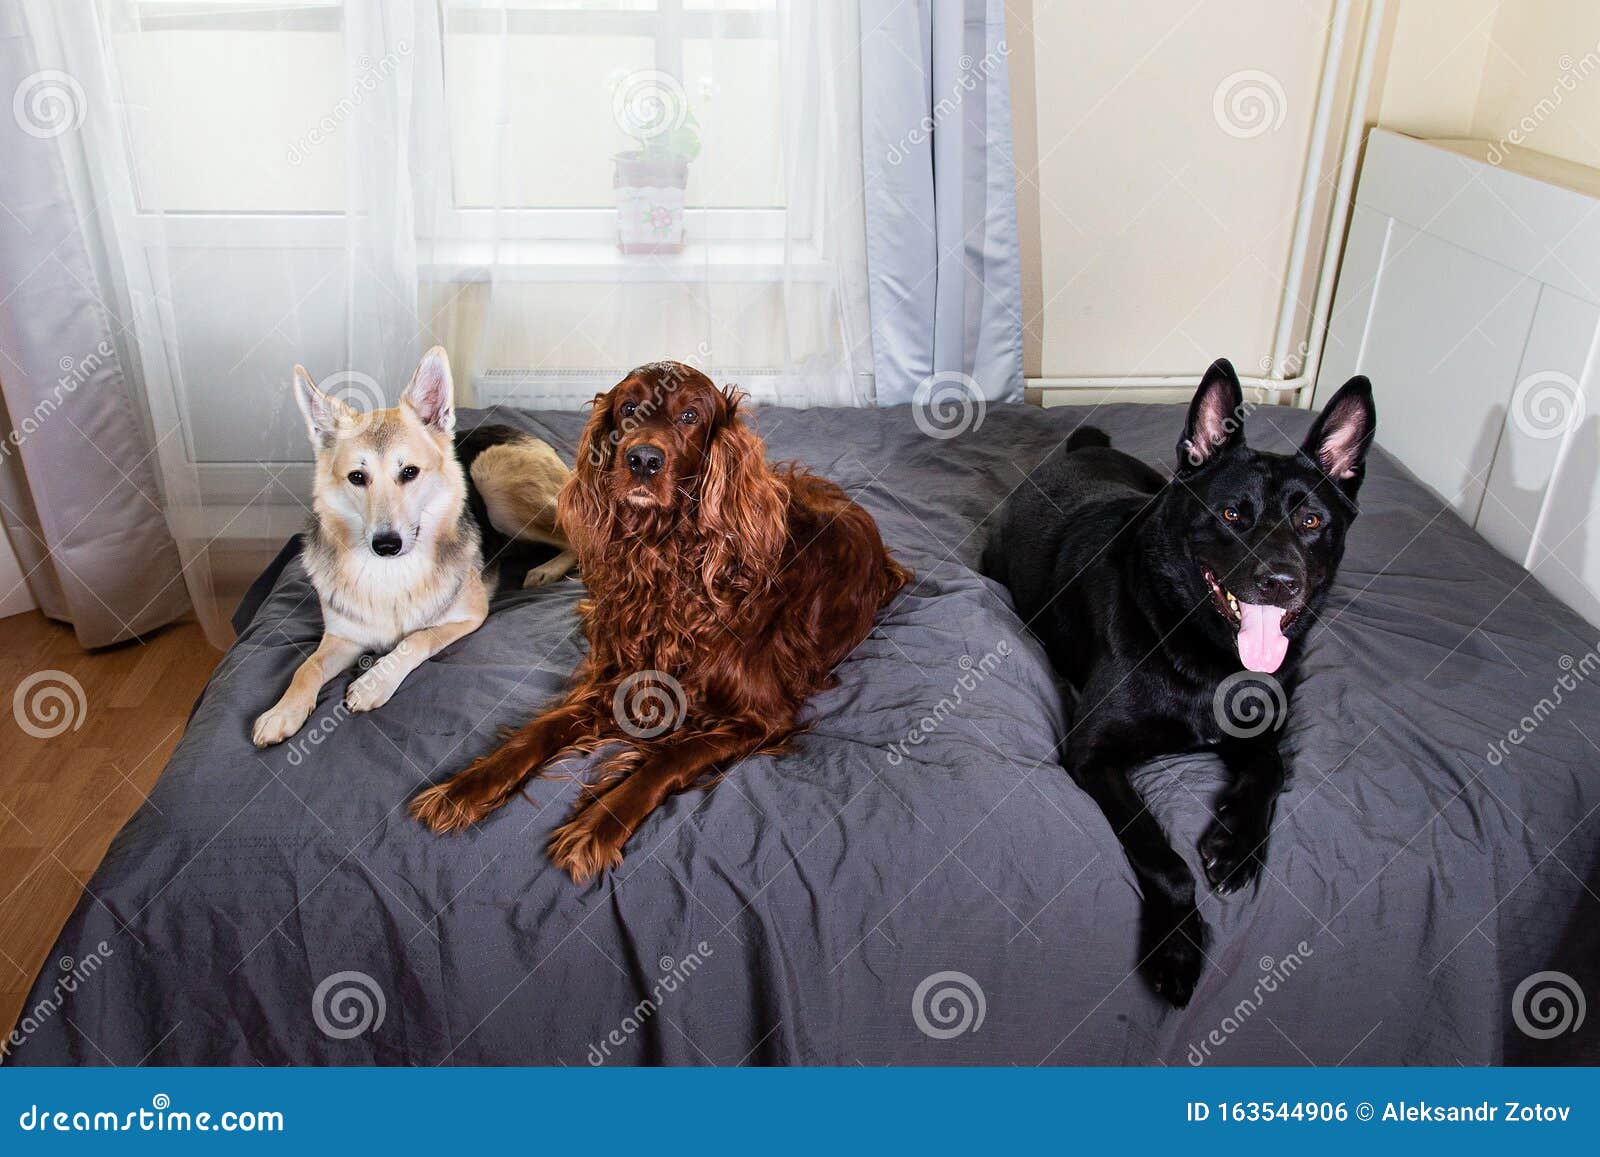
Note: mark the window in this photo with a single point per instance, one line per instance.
(537, 100)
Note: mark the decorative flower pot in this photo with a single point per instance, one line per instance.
(650, 202)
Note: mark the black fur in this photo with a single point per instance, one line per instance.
(1106, 561)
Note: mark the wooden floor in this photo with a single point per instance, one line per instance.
(63, 797)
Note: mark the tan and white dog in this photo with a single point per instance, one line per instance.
(393, 548)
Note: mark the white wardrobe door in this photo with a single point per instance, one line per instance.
(1440, 331)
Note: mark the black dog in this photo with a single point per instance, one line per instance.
(1151, 594)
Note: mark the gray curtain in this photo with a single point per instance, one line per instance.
(942, 262)
(78, 491)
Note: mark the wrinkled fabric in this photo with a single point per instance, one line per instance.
(833, 905)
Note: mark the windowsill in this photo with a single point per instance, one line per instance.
(600, 260)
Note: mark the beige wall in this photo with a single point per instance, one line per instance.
(1164, 231)
(1523, 72)
(1163, 238)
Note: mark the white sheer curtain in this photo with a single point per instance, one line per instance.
(344, 184)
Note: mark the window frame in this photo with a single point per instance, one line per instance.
(456, 234)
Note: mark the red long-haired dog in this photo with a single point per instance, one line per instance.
(723, 593)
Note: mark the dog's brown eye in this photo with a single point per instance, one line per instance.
(407, 473)
(357, 477)
(1311, 521)
(1230, 513)
(688, 417)
(628, 408)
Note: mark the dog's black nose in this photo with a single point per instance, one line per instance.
(645, 461)
(1277, 585)
(386, 543)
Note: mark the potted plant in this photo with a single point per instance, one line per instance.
(650, 179)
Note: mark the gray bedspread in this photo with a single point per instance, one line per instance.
(919, 882)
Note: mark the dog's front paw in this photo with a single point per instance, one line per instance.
(370, 691)
(282, 720)
(1232, 856)
(588, 844)
(541, 576)
(1172, 952)
(446, 810)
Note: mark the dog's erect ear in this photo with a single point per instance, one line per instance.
(1216, 417)
(431, 393)
(324, 414)
(1342, 434)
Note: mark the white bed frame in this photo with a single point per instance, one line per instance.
(1470, 295)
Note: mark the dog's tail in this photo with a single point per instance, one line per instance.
(1087, 436)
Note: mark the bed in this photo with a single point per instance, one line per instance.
(919, 883)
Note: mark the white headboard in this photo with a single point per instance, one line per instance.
(1470, 295)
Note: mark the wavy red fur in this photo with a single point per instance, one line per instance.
(743, 584)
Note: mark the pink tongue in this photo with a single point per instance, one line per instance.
(1262, 645)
